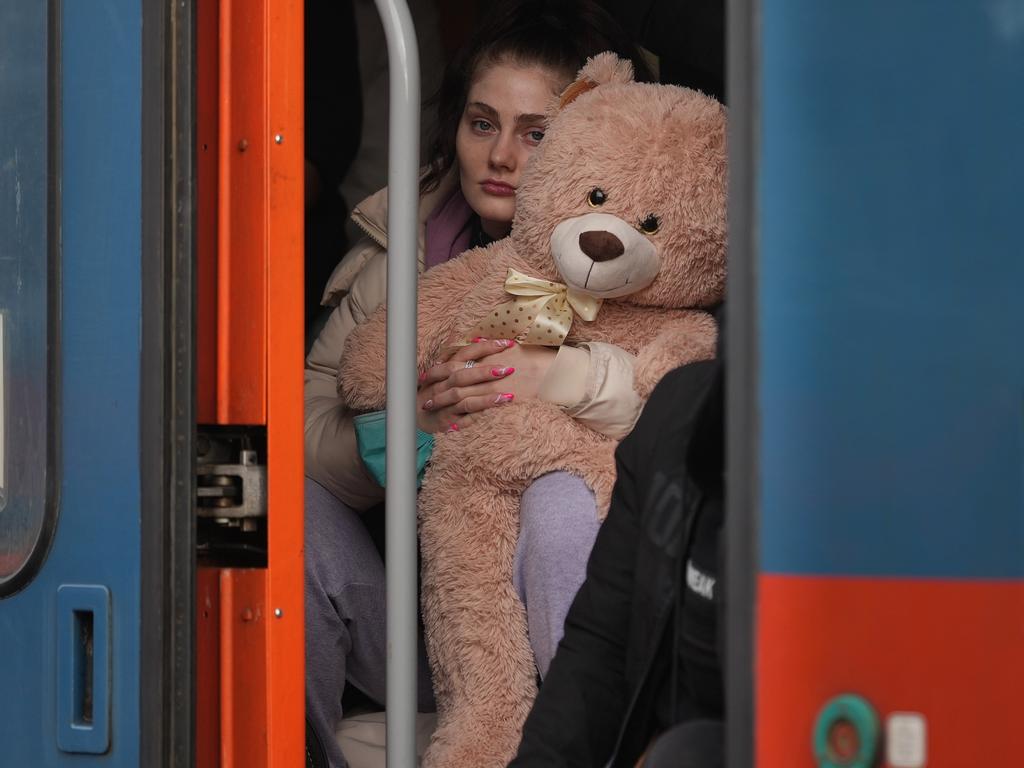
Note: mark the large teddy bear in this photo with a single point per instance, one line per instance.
(623, 201)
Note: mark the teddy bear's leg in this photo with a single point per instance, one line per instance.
(481, 660)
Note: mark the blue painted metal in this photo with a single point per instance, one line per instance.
(83, 669)
(891, 269)
(98, 535)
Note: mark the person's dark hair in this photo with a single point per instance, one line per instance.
(555, 34)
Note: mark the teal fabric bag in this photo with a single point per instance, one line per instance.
(371, 434)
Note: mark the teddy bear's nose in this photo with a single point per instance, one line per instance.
(600, 245)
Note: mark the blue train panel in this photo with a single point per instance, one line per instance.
(65, 705)
(891, 269)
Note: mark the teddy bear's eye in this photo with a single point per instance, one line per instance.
(650, 224)
(597, 197)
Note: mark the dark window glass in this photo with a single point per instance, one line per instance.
(26, 336)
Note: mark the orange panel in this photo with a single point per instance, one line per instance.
(950, 650)
(207, 56)
(285, 232)
(234, 722)
(242, 150)
(233, 196)
(208, 668)
(243, 684)
(250, 371)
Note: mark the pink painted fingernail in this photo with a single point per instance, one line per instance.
(505, 397)
(506, 342)
(428, 405)
(478, 339)
(453, 427)
(503, 371)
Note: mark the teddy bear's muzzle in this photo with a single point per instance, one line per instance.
(604, 256)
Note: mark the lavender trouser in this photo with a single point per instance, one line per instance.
(345, 632)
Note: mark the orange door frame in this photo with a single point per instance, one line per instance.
(250, 665)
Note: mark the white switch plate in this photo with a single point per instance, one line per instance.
(906, 740)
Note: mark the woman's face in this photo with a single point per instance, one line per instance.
(502, 124)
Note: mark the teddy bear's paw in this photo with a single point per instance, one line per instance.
(362, 368)
(469, 743)
(685, 340)
(362, 387)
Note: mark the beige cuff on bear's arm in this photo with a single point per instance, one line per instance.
(610, 405)
(565, 383)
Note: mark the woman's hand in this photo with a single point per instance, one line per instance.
(450, 393)
(531, 364)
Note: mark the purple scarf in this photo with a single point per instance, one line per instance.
(447, 230)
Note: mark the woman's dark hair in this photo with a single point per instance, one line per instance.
(556, 34)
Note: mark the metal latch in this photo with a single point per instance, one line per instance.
(233, 494)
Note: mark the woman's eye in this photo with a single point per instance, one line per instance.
(650, 224)
(597, 197)
(484, 126)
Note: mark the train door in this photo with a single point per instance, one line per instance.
(93, 326)
(876, 394)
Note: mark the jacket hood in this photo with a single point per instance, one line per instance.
(371, 215)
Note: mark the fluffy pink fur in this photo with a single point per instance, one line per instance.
(653, 149)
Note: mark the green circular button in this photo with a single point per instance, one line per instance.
(846, 733)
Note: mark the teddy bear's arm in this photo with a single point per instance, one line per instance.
(363, 367)
(441, 292)
(681, 340)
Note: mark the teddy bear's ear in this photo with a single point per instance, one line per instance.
(607, 68)
(600, 69)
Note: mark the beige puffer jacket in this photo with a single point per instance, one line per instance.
(593, 382)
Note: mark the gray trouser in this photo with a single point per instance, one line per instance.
(345, 626)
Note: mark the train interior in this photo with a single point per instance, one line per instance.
(345, 89)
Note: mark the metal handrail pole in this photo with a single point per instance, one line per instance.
(400, 535)
(742, 422)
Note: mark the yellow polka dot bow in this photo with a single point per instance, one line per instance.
(540, 314)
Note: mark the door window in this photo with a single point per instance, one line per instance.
(27, 290)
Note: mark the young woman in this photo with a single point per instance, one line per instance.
(490, 110)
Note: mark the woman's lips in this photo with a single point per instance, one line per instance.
(498, 188)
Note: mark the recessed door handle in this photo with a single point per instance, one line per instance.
(83, 669)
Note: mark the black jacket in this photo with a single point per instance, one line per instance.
(600, 702)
